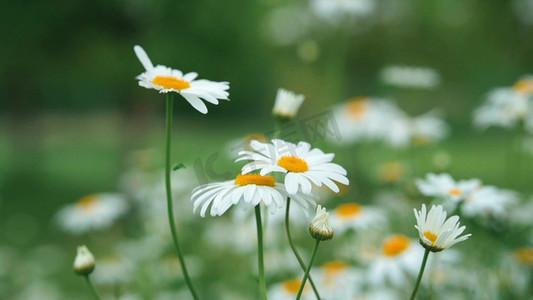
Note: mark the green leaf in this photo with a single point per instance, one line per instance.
(178, 166)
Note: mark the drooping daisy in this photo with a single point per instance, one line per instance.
(287, 104)
(165, 79)
(303, 166)
(443, 185)
(251, 189)
(355, 216)
(91, 212)
(436, 232)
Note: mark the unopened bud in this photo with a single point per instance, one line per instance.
(84, 261)
(320, 228)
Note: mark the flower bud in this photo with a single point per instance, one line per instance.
(287, 104)
(84, 261)
(320, 228)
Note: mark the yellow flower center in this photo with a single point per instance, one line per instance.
(395, 245)
(455, 192)
(334, 267)
(292, 286)
(293, 164)
(524, 86)
(431, 237)
(246, 179)
(391, 171)
(356, 107)
(87, 202)
(420, 140)
(524, 255)
(349, 210)
(170, 82)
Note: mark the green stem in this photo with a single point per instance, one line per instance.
(306, 275)
(420, 273)
(295, 251)
(93, 290)
(170, 209)
(260, 262)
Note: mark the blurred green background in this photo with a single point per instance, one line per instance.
(71, 110)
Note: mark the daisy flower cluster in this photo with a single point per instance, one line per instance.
(304, 168)
(470, 197)
(372, 119)
(508, 107)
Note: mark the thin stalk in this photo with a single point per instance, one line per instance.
(306, 275)
(420, 273)
(91, 287)
(295, 251)
(170, 209)
(260, 260)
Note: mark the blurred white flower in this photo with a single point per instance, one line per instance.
(303, 166)
(355, 216)
(444, 186)
(410, 77)
(399, 257)
(363, 118)
(251, 189)
(337, 11)
(508, 106)
(337, 280)
(287, 104)
(92, 212)
(165, 79)
(436, 232)
(113, 270)
(288, 290)
(489, 201)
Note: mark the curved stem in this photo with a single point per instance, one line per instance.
(420, 273)
(170, 209)
(260, 262)
(306, 275)
(295, 251)
(93, 290)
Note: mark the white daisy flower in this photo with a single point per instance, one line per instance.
(489, 200)
(508, 106)
(436, 233)
(287, 104)
(355, 216)
(410, 77)
(443, 185)
(398, 256)
(91, 212)
(338, 280)
(303, 166)
(165, 79)
(250, 189)
(364, 118)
